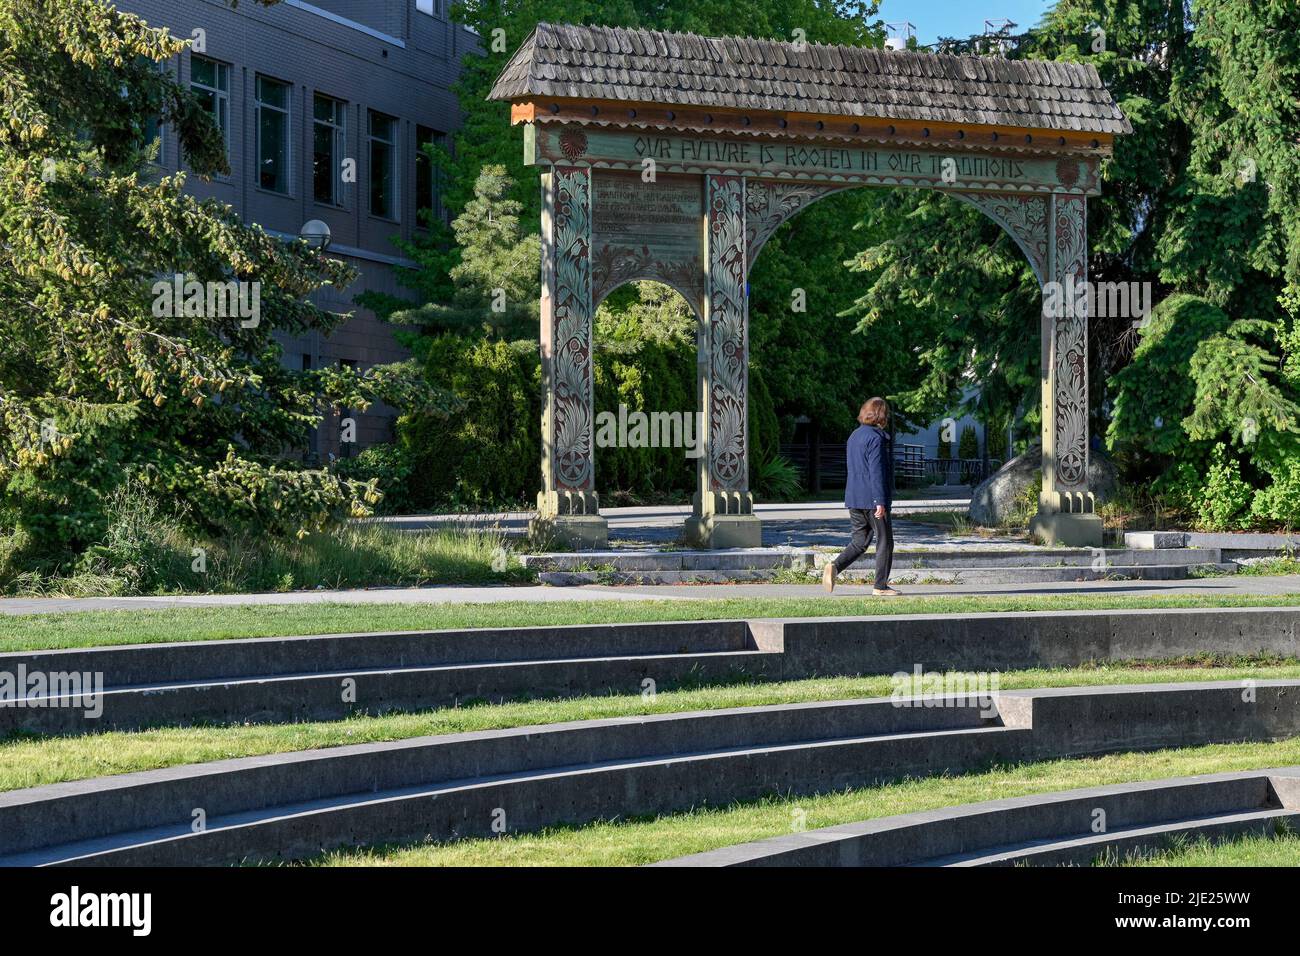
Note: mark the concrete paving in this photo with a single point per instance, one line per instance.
(799, 524)
(1228, 586)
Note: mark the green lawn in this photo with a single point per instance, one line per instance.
(29, 762)
(99, 628)
(1280, 850)
(634, 842)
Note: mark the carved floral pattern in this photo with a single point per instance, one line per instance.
(612, 266)
(1070, 344)
(1023, 217)
(571, 316)
(728, 334)
(769, 204)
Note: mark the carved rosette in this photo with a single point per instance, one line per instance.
(571, 315)
(769, 204)
(1025, 219)
(1070, 343)
(728, 334)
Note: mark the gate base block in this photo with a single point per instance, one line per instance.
(714, 531)
(579, 532)
(1071, 530)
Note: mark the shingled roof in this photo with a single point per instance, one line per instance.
(650, 66)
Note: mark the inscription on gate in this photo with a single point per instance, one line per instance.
(941, 168)
(647, 230)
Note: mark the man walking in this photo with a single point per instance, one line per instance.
(868, 495)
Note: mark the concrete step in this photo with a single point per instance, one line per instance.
(1084, 848)
(737, 559)
(913, 572)
(561, 772)
(1041, 558)
(456, 786)
(335, 695)
(1064, 827)
(986, 565)
(1040, 575)
(297, 678)
(305, 678)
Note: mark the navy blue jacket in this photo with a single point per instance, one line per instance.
(871, 468)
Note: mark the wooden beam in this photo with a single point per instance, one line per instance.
(806, 126)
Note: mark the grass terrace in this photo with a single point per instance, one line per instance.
(638, 841)
(29, 761)
(32, 632)
(1281, 849)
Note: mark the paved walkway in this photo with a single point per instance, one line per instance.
(801, 525)
(1221, 586)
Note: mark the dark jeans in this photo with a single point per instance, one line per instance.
(865, 526)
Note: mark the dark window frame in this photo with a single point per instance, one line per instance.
(286, 114)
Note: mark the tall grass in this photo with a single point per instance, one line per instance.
(146, 551)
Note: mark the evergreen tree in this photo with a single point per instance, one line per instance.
(106, 373)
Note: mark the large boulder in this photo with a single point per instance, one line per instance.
(1001, 497)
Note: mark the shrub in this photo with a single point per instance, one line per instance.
(1225, 498)
(390, 467)
(776, 479)
(968, 446)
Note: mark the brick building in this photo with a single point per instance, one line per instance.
(300, 89)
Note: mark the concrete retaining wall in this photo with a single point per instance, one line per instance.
(455, 786)
(1045, 829)
(305, 678)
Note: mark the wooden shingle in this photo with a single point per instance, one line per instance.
(590, 62)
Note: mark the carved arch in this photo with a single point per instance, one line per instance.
(1025, 218)
(692, 296)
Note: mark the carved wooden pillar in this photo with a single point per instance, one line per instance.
(567, 506)
(723, 513)
(1066, 508)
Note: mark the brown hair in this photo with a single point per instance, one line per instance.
(874, 411)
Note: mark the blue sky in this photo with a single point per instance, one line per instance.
(960, 18)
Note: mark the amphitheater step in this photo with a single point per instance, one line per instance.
(298, 678)
(328, 677)
(1084, 849)
(291, 804)
(973, 565)
(737, 559)
(1064, 827)
(338, 694)
(1043, 575)
(456, 786)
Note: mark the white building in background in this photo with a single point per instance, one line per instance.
(929, 437)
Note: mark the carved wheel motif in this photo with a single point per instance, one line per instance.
(573, 143)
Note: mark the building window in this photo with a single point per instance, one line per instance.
(273, 135)
(153, 133)
(210, 82)
(426, 6)
(383, 165)
(328, 117)
(428, 185)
